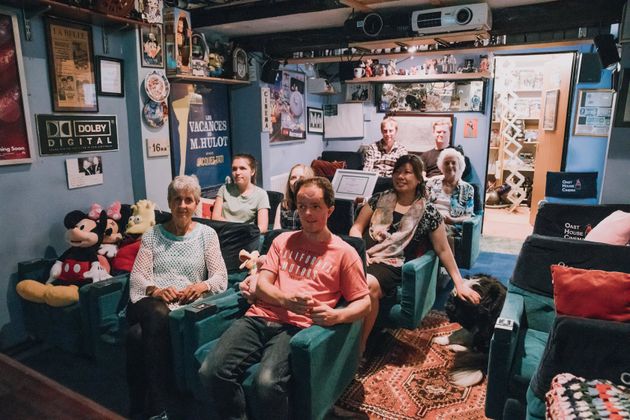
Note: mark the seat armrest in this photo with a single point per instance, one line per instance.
(419, 279)
(501, 356)
(327, 359)
(35, 269)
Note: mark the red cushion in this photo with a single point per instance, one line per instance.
(325, 168)
(593, 294)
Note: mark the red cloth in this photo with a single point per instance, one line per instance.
(126, 256)
(325, 168)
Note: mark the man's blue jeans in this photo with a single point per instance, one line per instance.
(250, 340)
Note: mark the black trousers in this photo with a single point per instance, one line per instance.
(149, 358)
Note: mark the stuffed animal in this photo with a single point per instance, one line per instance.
(391, 68)
(113, 234)
(77, 266)
(252, 261)
(141, 220)
(215, 64)
(369, 72)
(472, 342)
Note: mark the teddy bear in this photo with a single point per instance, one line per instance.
(142, 219)
(252, 261)
(77, 266)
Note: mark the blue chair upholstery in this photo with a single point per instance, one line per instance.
(325, 357)
(522, 330)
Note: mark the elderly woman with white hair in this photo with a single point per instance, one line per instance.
(178, 262)
(452, 197)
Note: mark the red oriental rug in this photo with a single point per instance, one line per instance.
(407, 378)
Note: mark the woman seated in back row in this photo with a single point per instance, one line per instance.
(286, 215)
(452, 197)
(242, 200)
(394, 224)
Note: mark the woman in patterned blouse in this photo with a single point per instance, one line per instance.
(178, 262)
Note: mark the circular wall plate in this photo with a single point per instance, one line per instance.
(155, 113)
(156, 86)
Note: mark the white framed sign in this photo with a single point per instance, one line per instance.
(350, 184)
(158, 147)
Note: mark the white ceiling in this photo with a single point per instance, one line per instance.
(336, 17)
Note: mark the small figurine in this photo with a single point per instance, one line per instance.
(368, 68)
(391, 68)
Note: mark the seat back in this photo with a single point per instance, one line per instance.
(571, 187)
(572, 220)
(275, 198)
(342, 218)
(354, 160)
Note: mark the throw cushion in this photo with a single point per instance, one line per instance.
(614, 229)
(593, 294)
(325, 168)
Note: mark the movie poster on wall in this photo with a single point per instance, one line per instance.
(200, 132)
(288, 106)
(14, 129)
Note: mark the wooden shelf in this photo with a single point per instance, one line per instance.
(62, 10)
(442, 39)
(422, 78)
(200, 79)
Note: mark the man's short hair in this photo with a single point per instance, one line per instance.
(389, 120)
(441, 122)
(321, 183)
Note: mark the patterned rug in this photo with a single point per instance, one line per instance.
(407, 378)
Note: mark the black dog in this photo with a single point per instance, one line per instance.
(473, 341)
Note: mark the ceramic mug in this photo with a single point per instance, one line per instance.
(359, 72)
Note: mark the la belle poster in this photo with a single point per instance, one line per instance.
(200, 132)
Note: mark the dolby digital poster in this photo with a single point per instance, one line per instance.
(200, 132)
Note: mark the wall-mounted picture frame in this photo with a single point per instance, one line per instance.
(151, 46)
(622, 111)
(110, 76)
(315, 120)
(415, 129)
(16, 139)
(358, 92)
(71, 66)
(550, 112)
(594, 112)
(429, 97)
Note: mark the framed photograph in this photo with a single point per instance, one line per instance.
(71, 66)
(288, 103)
(151, 46)
(415, 130)
(84, 171)
(110, 76)
(16, 137)
(551, 109)
(358, 92)
(457, 96)
(622, 113)
(315, 120)
(594, 112)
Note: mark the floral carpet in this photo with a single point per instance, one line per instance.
(406, 377)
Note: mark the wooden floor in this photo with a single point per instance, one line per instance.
(501, 223)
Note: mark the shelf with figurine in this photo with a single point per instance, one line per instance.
(422, 77)
(188, 78)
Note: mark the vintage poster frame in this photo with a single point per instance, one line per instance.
(596, 105)
(550, 113)
(146, 60)
(313, 125)
(59, 67)
(288, 108)
(20, 151)
(110, 83)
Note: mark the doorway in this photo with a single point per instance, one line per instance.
(527, 138)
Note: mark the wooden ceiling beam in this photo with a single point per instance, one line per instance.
(357, 5)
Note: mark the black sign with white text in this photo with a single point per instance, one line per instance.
(68, 134)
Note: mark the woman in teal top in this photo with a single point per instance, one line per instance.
(242, 200)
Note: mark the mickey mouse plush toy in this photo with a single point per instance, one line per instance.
(77, 266)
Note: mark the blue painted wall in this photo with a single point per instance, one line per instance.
(35, 197)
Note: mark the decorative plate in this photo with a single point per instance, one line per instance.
(156, 86)
(155, 113)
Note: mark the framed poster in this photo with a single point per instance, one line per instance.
(315, 120)
(110, 76)
(288, 103)
(151, 46)
(622, 112)
(594, 111)
(551, 109)
(358, 92)
(200, 132)
(71, 66)
(415, 130)
(15, 129)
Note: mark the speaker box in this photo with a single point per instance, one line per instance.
(346, 69)
(590, 68)
(607, 49)
(269, 71)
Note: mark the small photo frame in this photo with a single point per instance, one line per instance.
(594, 112)
(350, 184)
(109, 76)
(551, 109)
(151, 46)
(358, 92)
(315, 120)
(84, 171)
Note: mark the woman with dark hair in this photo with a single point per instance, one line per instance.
(394, 224)
(242, 200)
(286, 215)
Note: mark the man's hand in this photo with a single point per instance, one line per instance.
(324, 315)
(248, 288)
(299, 303)
(192, 293)
(168, 295)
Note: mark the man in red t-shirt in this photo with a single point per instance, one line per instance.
(303, 277)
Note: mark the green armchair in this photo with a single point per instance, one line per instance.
(325, 357)
(467, 247)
